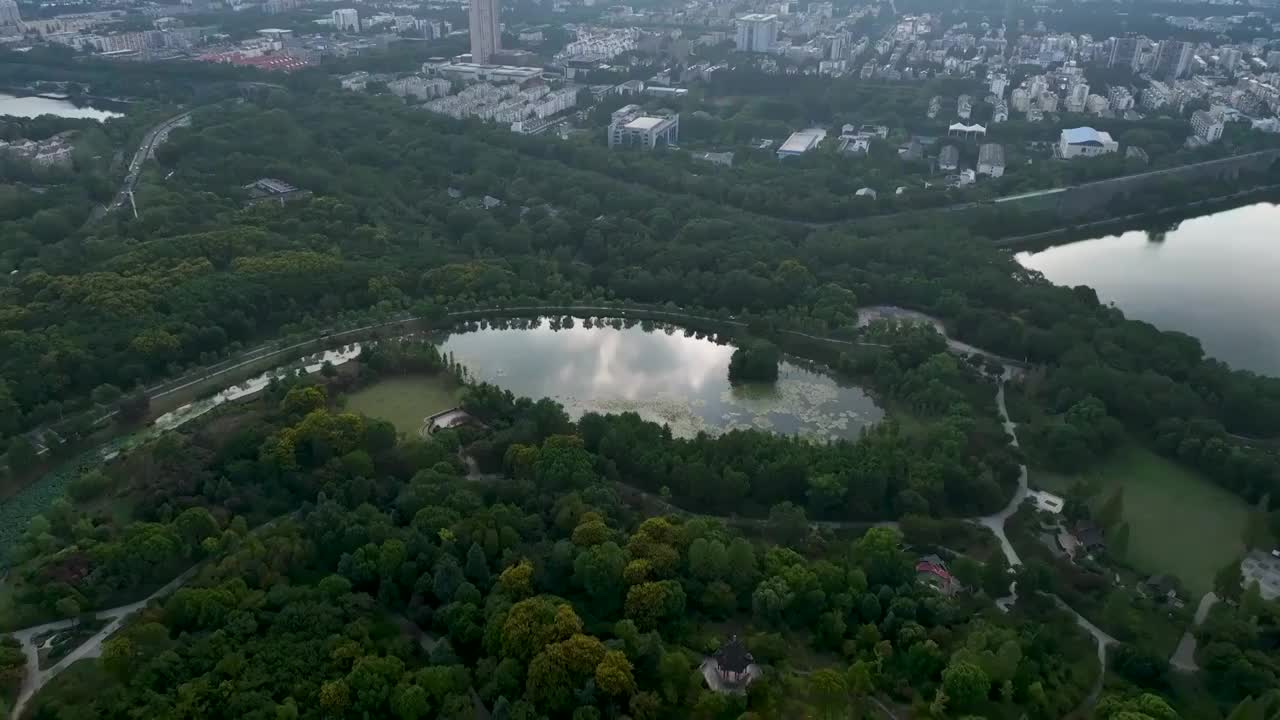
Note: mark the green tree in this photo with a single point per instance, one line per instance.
(1228, 581)
(477, 569)
(830, 693)
(966, 685)
(614, 675)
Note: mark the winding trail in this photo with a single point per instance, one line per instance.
(996, 521)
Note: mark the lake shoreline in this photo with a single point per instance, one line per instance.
(1139, 221)
(1208, 276)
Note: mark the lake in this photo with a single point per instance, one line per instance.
(1212, 277)
(663, 374)
(32, 106)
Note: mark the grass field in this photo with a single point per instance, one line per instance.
(405, 400)
(1179, 522)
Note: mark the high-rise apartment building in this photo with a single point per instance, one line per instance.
(757, 32)
(346, 20)
(486, 38)
(10, 17)
(1124, 52)
(1172, 60)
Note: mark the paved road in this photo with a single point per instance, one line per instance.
(1184, 657)
(37, 678)
(154, 137)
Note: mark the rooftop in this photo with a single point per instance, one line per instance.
(758, 17)
(733, 656)
(1085, 135)
(802, 141)
(645, 123)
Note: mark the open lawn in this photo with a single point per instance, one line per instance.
(1179, 522)
(406, 400)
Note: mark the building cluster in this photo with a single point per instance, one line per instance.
(818, 33)
(414, 88)
(593, 44)
(51, 152)
(514, 96)
(506, 104)
(174, 36)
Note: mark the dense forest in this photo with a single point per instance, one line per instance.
(404, 588)
(343, 571)
(199, 275)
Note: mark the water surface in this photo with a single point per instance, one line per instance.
(1215, 277)
(32, 106)
(665, 375)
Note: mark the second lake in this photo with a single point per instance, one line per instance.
(1212, 277)
(661, 373)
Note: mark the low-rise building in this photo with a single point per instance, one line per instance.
(273, 190)
(949, 158)
(966, 131)
(801, 142)
(991, 160)
(1085, 142)
(630, 125)
(1262, 568)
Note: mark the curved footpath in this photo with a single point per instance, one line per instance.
(36, 678)
(1184, 657)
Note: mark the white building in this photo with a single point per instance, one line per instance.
(630, 126)
(1207, 126)
(1085, 142)
(486, 38)
(757, 32)
(966, 131)
(346, 20)
(991, 160)
(471, 72)
(964, 107)
(801, 142)
(1120, 98)
(1020, 99)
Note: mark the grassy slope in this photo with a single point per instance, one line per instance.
(1179, 522)
(406, 400)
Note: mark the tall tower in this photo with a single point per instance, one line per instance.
(486, 38)
(10, 17)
